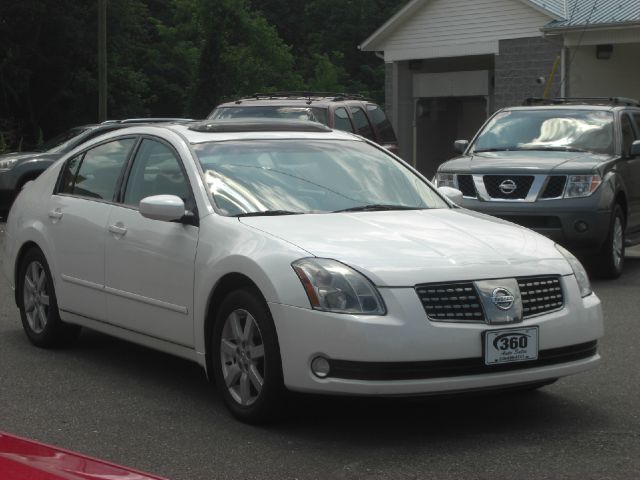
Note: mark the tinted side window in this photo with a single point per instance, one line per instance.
(100, 169)
(382, 123)
(636, 119)
(362, 124)
(69, 173)
(156, 171)
(627, 134)
(341, 120)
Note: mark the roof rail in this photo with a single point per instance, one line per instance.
(588, 100)
(309, 95)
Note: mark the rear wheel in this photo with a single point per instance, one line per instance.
(246, 358)
(610, 261)
(38, 306)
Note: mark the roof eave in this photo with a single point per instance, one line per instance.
(370, 43)
(595, 26)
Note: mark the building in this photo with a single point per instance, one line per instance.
(451, 63)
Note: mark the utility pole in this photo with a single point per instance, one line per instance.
(102, 60)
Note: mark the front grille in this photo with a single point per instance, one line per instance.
(522, 185)
(451, 302)
(540, 295)
(466, 186)
(555, 186)
(385, 371)
(460, 302)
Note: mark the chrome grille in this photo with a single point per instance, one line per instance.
(540, 295)
(451, 302)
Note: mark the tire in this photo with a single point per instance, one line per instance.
(610, 261)
(38, 305)
(246, 358)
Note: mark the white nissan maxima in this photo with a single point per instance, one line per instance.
(287, 256)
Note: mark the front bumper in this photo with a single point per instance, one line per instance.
(405, 335)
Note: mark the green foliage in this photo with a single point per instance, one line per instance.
(175, 57)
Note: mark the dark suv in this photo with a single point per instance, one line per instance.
(351, 113)
(568, 168)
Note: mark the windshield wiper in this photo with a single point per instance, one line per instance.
(375, 207)
(267, 213)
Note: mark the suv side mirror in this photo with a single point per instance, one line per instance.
(634, 151)
(460, 145)
(166, 208)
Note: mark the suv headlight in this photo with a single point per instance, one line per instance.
(578, 270)
(8, 163)
(333, 287)
(446, 180)
(581, 185)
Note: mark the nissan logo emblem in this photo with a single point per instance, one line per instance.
(508, 186)
(502, 298)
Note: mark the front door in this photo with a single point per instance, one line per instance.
(149, 274)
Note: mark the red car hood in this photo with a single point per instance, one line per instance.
(22, 459)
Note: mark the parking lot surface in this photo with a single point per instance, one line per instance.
(147, 410)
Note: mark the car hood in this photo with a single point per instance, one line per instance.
(23, 156)
(404, 248)
(520, 162)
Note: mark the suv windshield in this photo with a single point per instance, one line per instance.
(311, 176)
(288, 112)
(61, 139)
(548, 129)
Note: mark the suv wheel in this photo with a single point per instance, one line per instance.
(610, 262)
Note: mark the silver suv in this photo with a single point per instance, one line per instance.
(568, 168)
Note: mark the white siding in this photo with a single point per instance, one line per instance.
(462, 27)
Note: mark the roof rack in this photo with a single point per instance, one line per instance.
(588, 100)
(310, 96)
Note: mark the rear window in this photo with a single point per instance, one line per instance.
(382, 124)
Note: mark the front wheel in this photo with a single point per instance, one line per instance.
(38, 305)
(610, 262)
(246, 358)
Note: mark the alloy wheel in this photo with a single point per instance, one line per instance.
(36, 296)
(242, 357)
(618, 242)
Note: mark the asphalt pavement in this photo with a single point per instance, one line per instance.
(147, 410)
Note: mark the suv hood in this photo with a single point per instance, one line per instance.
(405, 248)
(523, 162)
(22, 156)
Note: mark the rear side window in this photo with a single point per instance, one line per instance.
(363, 127)
(98, 171)
(341, 120)
(381, 123)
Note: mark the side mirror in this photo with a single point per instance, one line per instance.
(460, 145)
(166, 208)
(634, 151)
(452, 194)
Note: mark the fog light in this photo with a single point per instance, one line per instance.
(581, 226)
(320, 367)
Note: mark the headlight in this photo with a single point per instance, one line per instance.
(582, 185)
(333, 287)
(8, 164)
(446, 180)
(578, 270)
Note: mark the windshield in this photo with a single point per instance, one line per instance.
(310, 176)
(60, 139)
(552, 129)
(291, 113)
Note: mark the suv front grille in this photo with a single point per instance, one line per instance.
(459, 301)
(451, 302)
(555, 186)
(466, 186)
(522, 185)
(540, 295)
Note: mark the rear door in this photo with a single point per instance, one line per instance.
(77, 220)
(149, 275)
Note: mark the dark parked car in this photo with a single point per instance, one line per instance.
(18, 168)
(567, 168)
(351, 113)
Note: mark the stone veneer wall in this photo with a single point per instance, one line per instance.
(520, 62)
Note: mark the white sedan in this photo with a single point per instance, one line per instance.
(287, 256)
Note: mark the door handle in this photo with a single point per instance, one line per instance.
(55, 215)
(118, 229)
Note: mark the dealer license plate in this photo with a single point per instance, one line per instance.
(510, 345)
